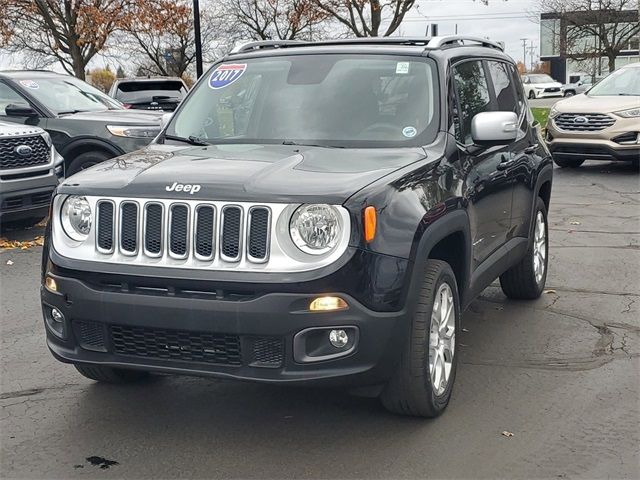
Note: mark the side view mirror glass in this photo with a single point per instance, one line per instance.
(20, 110)
(494, 128)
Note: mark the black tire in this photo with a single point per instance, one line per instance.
(569, 93)
(564, 163)
(410, 391)
(532, 94)
(520, 282)
(20, 224)
(100, 373)
(86, 160)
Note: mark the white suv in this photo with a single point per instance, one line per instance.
(540, 85)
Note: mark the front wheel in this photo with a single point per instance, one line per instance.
(569, 93)
(564, 163)
(423, 380)
(86, 160)
(526, 280)
(532, 94)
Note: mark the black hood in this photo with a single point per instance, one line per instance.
(119, 117)
(257, 173)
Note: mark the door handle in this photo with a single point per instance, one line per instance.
(505, 165)
(531, 149)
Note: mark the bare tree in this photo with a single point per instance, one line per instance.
(70, 32)
(274, 19)
(160, 36)
(365, 17)
(591, 29)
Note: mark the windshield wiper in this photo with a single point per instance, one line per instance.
(291, 142)
(191, 140)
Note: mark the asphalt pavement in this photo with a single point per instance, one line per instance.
(560, 373)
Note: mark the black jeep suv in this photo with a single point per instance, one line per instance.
(317, 213)
(86, 126)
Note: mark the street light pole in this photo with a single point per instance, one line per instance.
(198, 39)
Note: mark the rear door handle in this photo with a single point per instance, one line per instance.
(531, 149)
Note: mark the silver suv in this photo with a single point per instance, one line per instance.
(30, 169)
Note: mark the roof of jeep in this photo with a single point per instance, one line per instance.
(406, 46)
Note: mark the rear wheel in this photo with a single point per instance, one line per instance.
(423, 381)
(526, 280)
(86, 160)
(564, 163)
(100, 373)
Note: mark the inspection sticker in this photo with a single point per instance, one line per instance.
(30, 84)
(225, 75)
(409, 132)
(402, 68)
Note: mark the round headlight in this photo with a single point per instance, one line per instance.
(315, 229)
(76, 217)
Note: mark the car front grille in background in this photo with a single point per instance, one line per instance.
(181, 231)
(9, 158)
(552, 89)
(583, 122)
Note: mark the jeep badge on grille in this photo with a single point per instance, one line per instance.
(183, 187)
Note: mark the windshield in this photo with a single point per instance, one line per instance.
(541, 79)
(146, 91)
(327, 100)
(625, 81)
(67, 94)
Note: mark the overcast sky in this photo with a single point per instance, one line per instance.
(505, 20)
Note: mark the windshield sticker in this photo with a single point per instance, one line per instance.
(409, 132)
(402, 68)
(29, 84)
(225, 75)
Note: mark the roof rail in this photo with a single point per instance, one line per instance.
(246, 47)
(439, 42)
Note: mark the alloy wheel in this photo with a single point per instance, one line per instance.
(539, 248)
(442, 339)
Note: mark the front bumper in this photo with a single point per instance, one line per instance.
(246, 338)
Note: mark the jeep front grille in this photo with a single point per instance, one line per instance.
(180, 230)
(583, 122)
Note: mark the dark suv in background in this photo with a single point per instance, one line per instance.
(86, 126)
(313, 213)
(162, 93)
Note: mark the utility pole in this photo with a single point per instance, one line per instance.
(524, 52)
(532, 50)
(198, 38)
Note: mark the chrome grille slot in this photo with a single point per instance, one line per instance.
(205, 232)
(105, 226)
(129, 228)
(583, 122)
(179, 230)
(231, 235)
(153, 227)
(258, 234)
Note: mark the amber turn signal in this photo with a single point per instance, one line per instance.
(370, 224)
(50, 284)
(325, 304)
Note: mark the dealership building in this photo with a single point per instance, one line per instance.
(569, 62)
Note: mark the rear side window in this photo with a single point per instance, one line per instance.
(472, 90)
(8, 96)
(503, 87)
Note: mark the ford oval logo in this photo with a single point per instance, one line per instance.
(23, 150)
(580, 119)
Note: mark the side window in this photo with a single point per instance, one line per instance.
(503, 87)
(8, 95)
(472, 90)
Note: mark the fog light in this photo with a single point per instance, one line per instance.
(50, 284)
(57, 315)
(338, 338)
(328, 303)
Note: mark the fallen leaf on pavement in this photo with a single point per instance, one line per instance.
(9, 262)
(507, 434)
(549, 291)
(22, 245)
(575, 223)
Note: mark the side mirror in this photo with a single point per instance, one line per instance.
(19, 110)
(166, 118)
(494, 128)
(580, 83)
